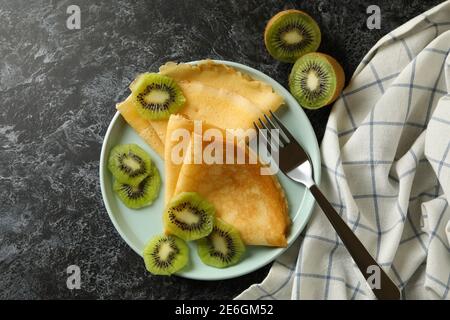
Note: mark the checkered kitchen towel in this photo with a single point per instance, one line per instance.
(386, 170)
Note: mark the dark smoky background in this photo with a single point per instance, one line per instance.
(58, 89)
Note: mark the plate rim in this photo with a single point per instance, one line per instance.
(277, 251)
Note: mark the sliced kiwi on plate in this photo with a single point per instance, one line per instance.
(189, 216)
(316, 80)
(141, 195)
(165, 255)
(156, 96)
(223, 247)
(290, 34)
(129, 163)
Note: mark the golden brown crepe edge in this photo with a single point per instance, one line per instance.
(282, 241)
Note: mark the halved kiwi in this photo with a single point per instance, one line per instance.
(223, 247)
(141, 195)
(316, 80)
(165, 255)
(129, 163)
(189, 216)
(290, 34)
(156, 96)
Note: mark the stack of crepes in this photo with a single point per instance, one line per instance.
(220, 98)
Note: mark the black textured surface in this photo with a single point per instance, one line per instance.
(58, 88)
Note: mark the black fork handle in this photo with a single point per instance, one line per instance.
(387, 290)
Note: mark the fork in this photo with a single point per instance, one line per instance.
(295, 163)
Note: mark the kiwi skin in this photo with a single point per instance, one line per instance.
(338, 72)
(280, 15)
(340, 78)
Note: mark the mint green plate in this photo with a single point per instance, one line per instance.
(136, 227)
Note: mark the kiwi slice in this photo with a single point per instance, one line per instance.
(142, 194)
(156, 96)
(316, 80)
(129, 164)
(189, 216)
(165, 254)
(290, 34)
(223, 247)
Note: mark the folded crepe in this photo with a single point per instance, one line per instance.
(173, 139)
(253, 203)
(142, 126)
(220, 76)
(215, 93)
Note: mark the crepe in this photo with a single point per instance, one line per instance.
(172, 168)
(220, 76)
(219, 107)
(215, 93)
(253, 203)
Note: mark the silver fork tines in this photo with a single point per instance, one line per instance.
(291, 154)
(284, 131)
(266, 134)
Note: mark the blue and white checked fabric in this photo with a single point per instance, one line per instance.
(386, 170)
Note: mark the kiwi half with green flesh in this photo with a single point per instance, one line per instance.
(129, 163)
(156, 96)
(223, 247)
(189, 216)
(290, 34)
(165, 255)
(141, 195)
(316, 80)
